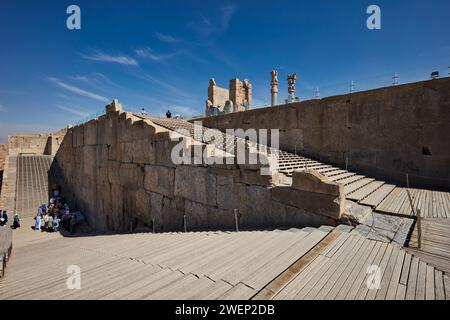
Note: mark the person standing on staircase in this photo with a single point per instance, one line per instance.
(16, 222)
(3, 218)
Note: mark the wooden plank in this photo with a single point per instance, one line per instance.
(430, 284)
(391, 267)
(342, 176)
(352, 179)
(390, 201)
(317, 282)
(447, 286)
(421, 281)
(382, 197)
(274, 268)
(412, 279)
(357, 185)
(439, 285)
(297, 284)
(277, 284)
(372, 293)
(239, 292)
(363, 289)
(356, 263)
(365, 191)
(395, 280)
(330, 278)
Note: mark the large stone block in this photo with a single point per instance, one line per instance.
(132, 175)
(113, 172)
(143, 152)
(114, 107)
(315, 203)
(156, 206)
(160, 180)
(171, 216)
(90, 132)
(196, 184)
(312, 181)
(253, 177)
(196, 215)
(225, 191)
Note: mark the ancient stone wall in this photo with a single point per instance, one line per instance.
(384, 133)
(27, 143)
(39, 143)
(118, 170)
(3, 154)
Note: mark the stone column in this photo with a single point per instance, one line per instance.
(291, 87)
(274, 85)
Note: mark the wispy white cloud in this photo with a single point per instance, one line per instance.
(74, 110)
(78, 90)
(148, 53)
(169, 87)
(227, 13)
(97, 80)
(207, 26)
(2, 108)
(103, 57)
(165, 37)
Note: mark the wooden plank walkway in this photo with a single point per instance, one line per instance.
(195, 265)
(293, 264)
(435, 243)
(432, 204)
(341, 272)
(32, 183)
(365, 191)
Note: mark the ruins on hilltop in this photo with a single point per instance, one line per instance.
(235, 99)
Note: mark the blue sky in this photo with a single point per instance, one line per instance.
(160, 54)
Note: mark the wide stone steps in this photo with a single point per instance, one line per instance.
(32, 183)
(192, 265)
(365, 190)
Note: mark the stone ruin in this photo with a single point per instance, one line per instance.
(118, 170)
(221, 101)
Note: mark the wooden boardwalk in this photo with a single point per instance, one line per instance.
(203, 265)
(32, 183)
(341, 272)
(432, 204)
(435, 243)
(296, 264)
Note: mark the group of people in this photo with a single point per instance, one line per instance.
(4, 220)
(57, 215)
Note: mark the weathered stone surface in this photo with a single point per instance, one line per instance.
(124, 178)
(90, 133)
(113, 172)
(114, 106)
(160, 180)
(196, 215)
(256, 178)
(196, 184)
(318, 203)
(357, 126)
(225, 191)
(312, 181)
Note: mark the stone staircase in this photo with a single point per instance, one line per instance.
(308, 263)
(383, 197)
